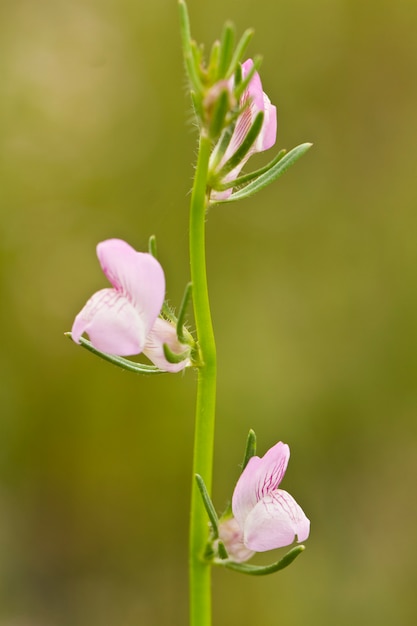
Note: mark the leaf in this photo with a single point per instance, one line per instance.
(208, 505)
(264, 570)
(270, 176)
(131, 366)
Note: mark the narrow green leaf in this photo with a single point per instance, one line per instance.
(219, 113)
(247, 178)
(168, 312)
(213, 64)
(250, 449)
(239, 51)
(226, 49)
(211, 511)
(130, 366)
(197, 56)
(238, 75)
(271, 175)
(264, 570)
(187, 46)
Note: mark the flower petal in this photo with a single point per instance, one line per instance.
(275, 522)
(268, 135)
(260, 477)
(254, 94)
(254, 89)
(136, 275)
(272, 468)
(244, 495)
(112, 323)
(164, 332)
(260, 102)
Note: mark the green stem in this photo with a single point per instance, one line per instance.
(200, 570)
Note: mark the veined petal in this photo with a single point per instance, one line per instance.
(244, 495)
(256, 101)
(274, 522)
(271, 469)
(260, 102)
(254, 89)
(164, 332)
(136, 275)
(112, 323)
(253, 97)
(260, 477)
(268, 135)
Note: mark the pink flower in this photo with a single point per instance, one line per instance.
(265, 517)
(123, 320)
(258, 101)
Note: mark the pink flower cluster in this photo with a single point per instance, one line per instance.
(124, 320)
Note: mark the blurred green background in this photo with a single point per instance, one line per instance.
(313, 286)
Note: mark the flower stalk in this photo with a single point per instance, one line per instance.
(200, 569)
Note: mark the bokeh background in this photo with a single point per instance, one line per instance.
(313, 286)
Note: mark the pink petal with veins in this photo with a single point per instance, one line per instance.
(258, 101)
(254, 89)
(118, 320)
(244, 495)
(137, 275)
(268, 135)
(260, 476)
(272, 468)
(274, 522)
(112, 323)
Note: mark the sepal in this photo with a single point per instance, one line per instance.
(221, 550)
(184, 336)
(173, 357)
(250, 449)
(166, 309)
(152, 246)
